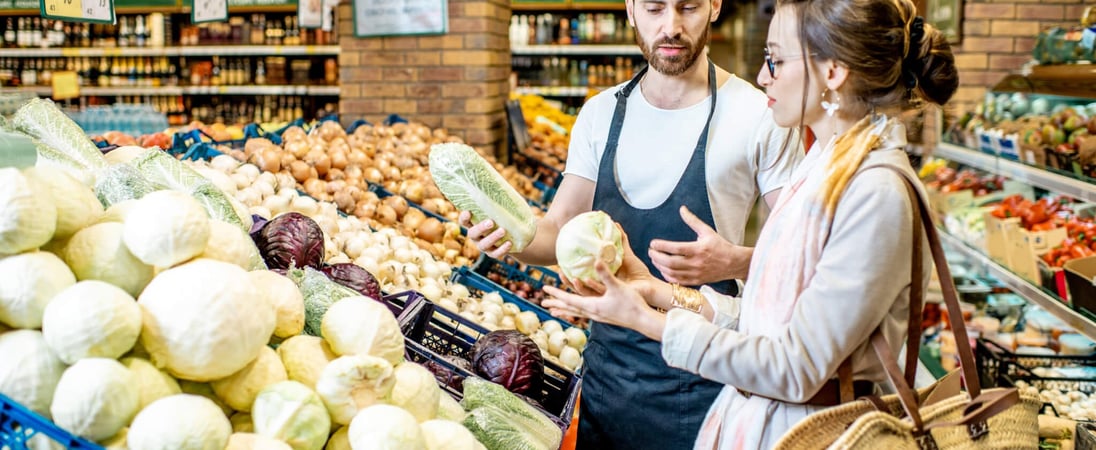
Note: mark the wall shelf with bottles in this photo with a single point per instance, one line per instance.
(203, 50)
(249, 56)
(566, 6)
(585, 50)
(332, 91)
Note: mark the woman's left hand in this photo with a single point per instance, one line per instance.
(622, 304)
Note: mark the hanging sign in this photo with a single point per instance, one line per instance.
(209, 11)
(310, 13)
(95, 11)
(400, 17)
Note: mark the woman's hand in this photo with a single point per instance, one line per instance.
(632, 270)
(621, 303)
(486, 240)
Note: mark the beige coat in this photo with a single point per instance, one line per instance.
(815, 293)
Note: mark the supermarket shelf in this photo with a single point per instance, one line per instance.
(551, 50)
(1022, 287)
(1018, 171)
(555, 91)
(204, 50)
(566, 6)
(192, 90)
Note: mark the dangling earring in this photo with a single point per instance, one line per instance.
(831, 108)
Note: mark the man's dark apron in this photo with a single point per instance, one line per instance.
(631, 400)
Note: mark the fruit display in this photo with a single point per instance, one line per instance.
(146, 294)
(946, 179)
(549, 130)
(1059, 138)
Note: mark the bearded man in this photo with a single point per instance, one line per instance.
(680, 175)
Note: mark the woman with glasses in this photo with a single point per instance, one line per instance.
(834, 260)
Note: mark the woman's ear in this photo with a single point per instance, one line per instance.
(835, 74)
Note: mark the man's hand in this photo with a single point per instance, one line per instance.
(486, 240)
(708, 259)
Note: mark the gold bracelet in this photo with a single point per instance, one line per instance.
(686, 298)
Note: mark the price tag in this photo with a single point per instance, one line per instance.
(65, 85)
(96, 11)
(209, 11)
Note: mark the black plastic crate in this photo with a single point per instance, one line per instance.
(403, 303)
(1001, 367)
(18, 425)
(478, 285)
(438, 336)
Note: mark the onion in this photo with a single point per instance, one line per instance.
(397, 203)
(355, 158)
(339, 160)
(391, 174)
(269, 160)
(344, 200)
(336, 174)
(286, 159)
(386, 215)
(322, 164)
(300, 171)
(315, 187)
(413, 190)
(373, 175)
(431, 230)
(413, 219)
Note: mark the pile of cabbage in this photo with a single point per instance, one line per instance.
(139, 314)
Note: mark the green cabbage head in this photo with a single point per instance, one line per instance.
(586, 239)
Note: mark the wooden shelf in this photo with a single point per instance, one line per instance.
(1068, 80)
(196, 50)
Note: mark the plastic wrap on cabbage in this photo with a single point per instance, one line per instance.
(319, 294)
(472, 184)
(123, 182)
(501, 420)
(43, 121)
(510, 359)
(163, 169)
(291, 240)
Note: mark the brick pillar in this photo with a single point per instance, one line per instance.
(998, 37)
(458, 80)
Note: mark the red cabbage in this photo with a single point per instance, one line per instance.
(510, 359)
(291, 240)
(354, 277)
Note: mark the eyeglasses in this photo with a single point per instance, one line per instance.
(772, 64)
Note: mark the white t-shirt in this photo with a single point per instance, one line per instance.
(742, 160)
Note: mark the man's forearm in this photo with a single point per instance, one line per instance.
(542, 251)
(738, 263)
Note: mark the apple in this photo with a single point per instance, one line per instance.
(1091, 125)
(1053, 135)
(1073, 122)
(1073, 136)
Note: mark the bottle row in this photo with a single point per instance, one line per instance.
(561, 71)
(256, 29)
(163, 71)
(158, 30)
(550, 29)
(182, 110)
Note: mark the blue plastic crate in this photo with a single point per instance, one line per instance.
(479, 284)
(437, 336)
(19, 424)
(512, 269)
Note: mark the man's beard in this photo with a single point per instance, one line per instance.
(673, 65)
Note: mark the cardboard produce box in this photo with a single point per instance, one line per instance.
(1024, 248)
(1081, 280)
